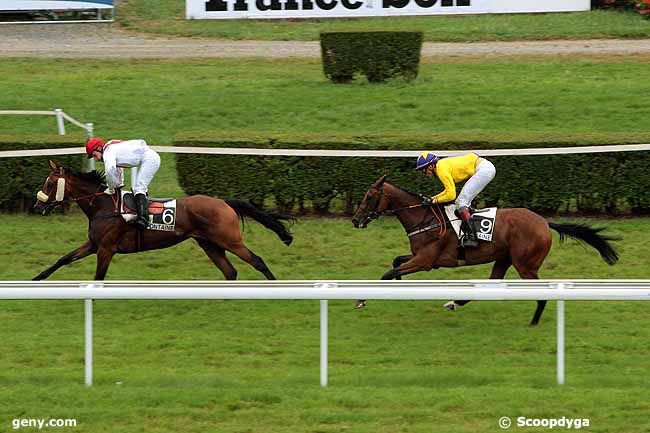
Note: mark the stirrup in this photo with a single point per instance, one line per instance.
(468, 243)
(141, 223)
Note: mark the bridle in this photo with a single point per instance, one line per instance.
(438, 215)
(59, 197)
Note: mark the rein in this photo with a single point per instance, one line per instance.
(83, 197)
(437, 211)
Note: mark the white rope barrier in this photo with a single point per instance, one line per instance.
(401, 153)
(494, 290)
(345, 153)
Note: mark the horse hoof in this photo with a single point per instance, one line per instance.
(450, 306)
(360, 305)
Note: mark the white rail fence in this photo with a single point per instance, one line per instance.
(60, 117)
(483, 290)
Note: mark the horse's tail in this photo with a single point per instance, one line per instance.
(590, 236)
(272, 221)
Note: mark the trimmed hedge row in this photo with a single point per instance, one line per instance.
(611, 183)
(377, 55)
(22, 177)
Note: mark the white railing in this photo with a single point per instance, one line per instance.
(60, 117)
(484, 290)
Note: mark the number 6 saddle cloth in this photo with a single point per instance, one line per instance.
(162, 211)
(484, 221)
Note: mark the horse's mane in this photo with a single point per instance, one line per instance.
(95, 176)
(406, 190)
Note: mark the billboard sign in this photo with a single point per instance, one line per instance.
(233, 9)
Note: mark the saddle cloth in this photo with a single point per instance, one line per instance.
(162, 211)
(484, 220)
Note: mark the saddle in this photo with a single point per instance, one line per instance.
(156, 206)
(162, 211)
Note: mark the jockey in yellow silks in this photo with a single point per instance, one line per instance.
(477, 171)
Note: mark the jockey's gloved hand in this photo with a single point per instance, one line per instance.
(109, 191)
(427, 201)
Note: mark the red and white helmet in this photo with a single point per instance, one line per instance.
(92, 145)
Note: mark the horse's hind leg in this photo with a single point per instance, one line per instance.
(252, 259)
(538, 313)
(218, 257)
(527, 274)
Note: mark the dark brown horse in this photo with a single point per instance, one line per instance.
(212, 222)
(521, 238)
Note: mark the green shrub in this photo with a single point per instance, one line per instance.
(609, 183)
(22, 177)
(377, 55)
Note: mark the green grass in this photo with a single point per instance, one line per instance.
(156, 99)
(252, 366)
(167, 17)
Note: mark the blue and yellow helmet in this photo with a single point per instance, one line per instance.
(425, 159)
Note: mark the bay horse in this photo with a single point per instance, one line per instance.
(212, 222)
(521, 238)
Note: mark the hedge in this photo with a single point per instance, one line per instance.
(22, 177)
(642, 6)
(611, 183)
(377, 55)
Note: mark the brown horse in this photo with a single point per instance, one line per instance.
(212, 222)
(521, 238)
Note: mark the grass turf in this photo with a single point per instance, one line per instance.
(156, 99)
(167, 17)
(231, 366)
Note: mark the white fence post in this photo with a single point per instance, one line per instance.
(88, 340)
(59, 121)
(560, 337)
(323, 343)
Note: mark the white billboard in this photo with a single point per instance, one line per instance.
(235, 9)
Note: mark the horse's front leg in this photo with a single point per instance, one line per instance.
(397, 262)
(104, 257)
(405, 265)
(83, 251)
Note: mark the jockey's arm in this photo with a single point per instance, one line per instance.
(114, 174)
(449, 192)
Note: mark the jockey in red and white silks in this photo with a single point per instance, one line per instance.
(126, 154)
(118, 155)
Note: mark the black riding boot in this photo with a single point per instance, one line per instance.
(469, 239)
(142, 220)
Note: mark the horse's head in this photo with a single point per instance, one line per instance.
(64, 184)
(374, 203)
(53, 191)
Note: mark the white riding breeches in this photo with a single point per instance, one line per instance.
(484, 174)
(146, 171)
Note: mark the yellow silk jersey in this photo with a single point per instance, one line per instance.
(452, 170)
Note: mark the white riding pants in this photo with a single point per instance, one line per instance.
(146, 171)
(484, 174)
